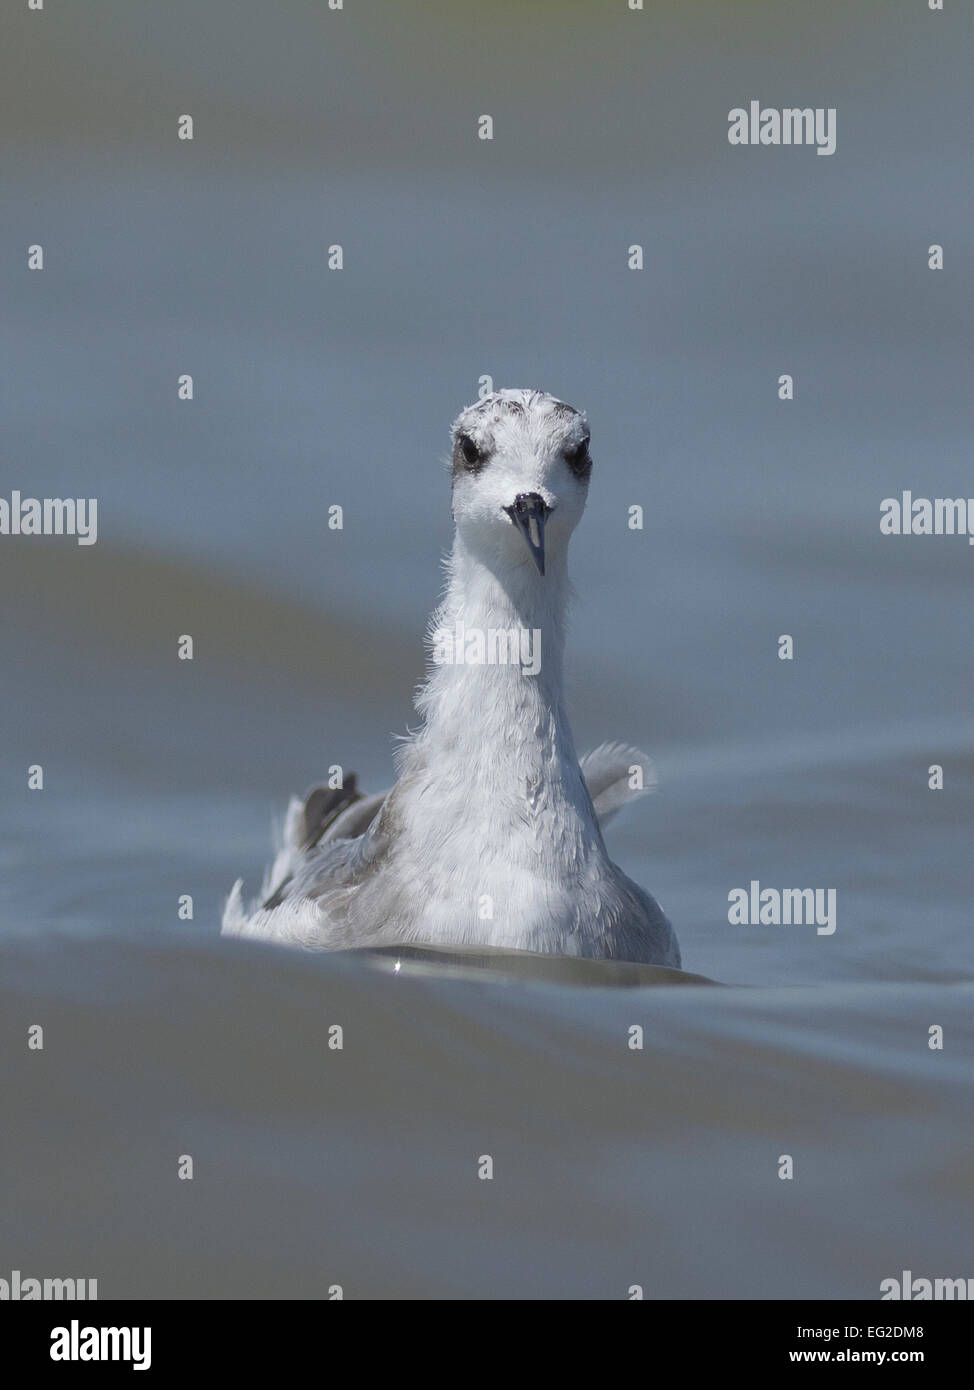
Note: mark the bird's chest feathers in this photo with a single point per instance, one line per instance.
(491, 801)
(507, 819)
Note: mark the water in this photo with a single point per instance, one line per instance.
(612, 1166)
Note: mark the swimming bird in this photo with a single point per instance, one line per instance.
(492, 834)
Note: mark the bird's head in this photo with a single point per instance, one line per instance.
(521, 466)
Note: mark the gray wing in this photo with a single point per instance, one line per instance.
(331, 837)
(327, 817)
(615, 774)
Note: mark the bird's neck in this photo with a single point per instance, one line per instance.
(491, 800)
(497, 650)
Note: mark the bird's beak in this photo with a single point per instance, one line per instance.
(529, 513)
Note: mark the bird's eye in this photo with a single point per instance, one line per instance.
(578, 458)
(471, 454)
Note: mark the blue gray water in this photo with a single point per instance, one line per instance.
(612, 1167)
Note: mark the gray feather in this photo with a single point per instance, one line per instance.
(609, 773)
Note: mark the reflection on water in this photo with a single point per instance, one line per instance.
(493, 963)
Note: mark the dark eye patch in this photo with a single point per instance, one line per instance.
(468, 457)
(579, 459)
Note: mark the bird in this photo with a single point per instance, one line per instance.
(492, 834)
